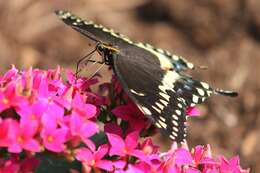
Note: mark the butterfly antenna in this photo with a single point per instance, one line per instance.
(226, 93)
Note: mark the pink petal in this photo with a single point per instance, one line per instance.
(43, 89)
(101, 152)
(14, 148)
(121, 112)
(119, 164)
(182, 157)
(38, 108)
(230, 165)
(91, 110)
(144, 167)
(48, 122)
(55, 147)
(58, 137)
(4, 132)
(117, 144)
(209, 170)
(90, 144)
(32, 145)
(113, 128)
(77, 100)
(193, 111)
(192, 170)
(134, 169)
(105, 164)
(234, 161)
(88, 129)
(75, 124)
(208, 161)
(84, 155)
(131, 140)
(138, 125)
(140, 155)
(10, 74)
(172, 169)
(198, 153)
(3, 105)
(27, 130)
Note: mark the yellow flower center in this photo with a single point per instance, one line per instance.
(50, 139)
(20, 139)
(93, 162)
(33, 117)
(5, 101)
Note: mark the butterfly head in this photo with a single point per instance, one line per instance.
(107, 52)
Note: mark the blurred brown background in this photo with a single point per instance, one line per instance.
(222, 34)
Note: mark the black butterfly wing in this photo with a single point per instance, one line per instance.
(90, 29)
(192, 91)
(99, 32)
(142, 81)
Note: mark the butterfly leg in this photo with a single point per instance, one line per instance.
(88, 56)
(99, 68)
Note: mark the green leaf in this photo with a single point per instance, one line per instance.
(53, 164)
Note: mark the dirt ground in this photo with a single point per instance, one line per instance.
(221, 34)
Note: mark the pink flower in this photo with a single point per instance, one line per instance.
(54, 138)
(83, 129)
(54, 114)
(86, 111)
(121, 147)
(202, 155)
(9, 97)
(148, 147)
(31, 114)
(231, 165)
(94, 159)
(22, 137)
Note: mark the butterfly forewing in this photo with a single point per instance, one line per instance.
(88, 28)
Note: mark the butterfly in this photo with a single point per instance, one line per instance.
(153, 78)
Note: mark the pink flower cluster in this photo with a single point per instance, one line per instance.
(39, 113)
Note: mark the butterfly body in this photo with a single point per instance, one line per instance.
(153, 78)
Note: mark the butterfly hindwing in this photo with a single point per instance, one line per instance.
(161, 104)
(179, 63)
